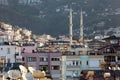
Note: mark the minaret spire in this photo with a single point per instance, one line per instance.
(81, 41)
(71, 35)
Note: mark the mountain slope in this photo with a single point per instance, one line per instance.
(52, 16)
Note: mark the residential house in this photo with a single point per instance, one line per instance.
(10, 54)
(111, 51)
(47, 60)
(78, 59)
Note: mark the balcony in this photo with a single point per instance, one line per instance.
(73, 66)
(109, 53)
(56, 71)
(55, 63)
(18, 57)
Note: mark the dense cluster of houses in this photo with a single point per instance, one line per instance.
(58, 58)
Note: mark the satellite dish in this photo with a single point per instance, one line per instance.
(31, 69)
(22, 69)
(39, 74)
(25, 74)
(14, 74)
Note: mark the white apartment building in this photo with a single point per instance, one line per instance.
(10, 53)
(17, 35)
(3, 36)
(72, 65)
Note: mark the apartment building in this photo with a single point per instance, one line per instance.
(47, 60)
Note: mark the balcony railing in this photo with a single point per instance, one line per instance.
(73, 66)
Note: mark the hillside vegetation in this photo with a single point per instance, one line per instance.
(52, 16)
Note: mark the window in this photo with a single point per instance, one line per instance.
(114, 41)
(44, 67)
(23, 50)
(8, 49)
(55, 59)
(87, 63)
(118, 57)
(55, 67)
(76, 63)
(23, 58)
(31, 59)
(107, 50)
(73, 53)
(43, 59)
(73, 62)
(3, 57)
(110, 58)
(8, 60)
(81, 52)
(1, 48)
(80, 62)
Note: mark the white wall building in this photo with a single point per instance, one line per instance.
(7, 53)
(8, 30)
(72, 65)
(9, 34)
(3, 37)
(17, 35)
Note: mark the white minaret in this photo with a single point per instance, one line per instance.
(70, 27)
(81, 41)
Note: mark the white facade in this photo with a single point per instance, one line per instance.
(3, 37)
(6, 26)
(17, 35)
(72, 65)
(9, 34)
(95, 62)
(64, 68)
(27, 32)
(7, 53)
